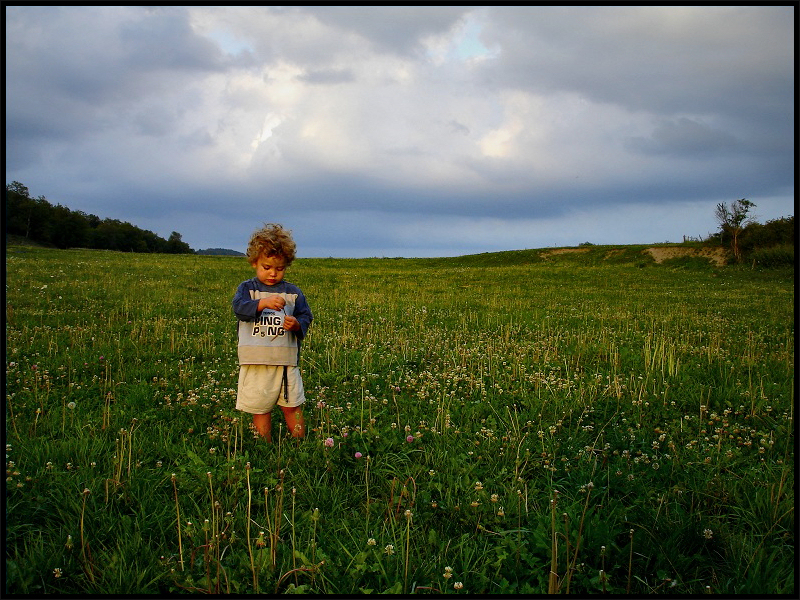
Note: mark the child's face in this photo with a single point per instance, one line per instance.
(269, 269)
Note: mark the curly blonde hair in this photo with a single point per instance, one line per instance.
(271, 240)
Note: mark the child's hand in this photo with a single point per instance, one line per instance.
(274, 302)
(290, 323)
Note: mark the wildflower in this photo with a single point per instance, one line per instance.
(478, 486)
(358, 455)
(329, 443)
(410, 439)
(494, 498)
(71, 405)
(501, 512)
(458, 585)
(448, 572)
(371, 542)
(408, 514)
(389, 549)
(57, 572)
(431, 472)
(707, 533)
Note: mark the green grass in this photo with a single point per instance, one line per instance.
(580, 424)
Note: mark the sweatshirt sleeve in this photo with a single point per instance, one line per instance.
(302, 312)
(244, 307)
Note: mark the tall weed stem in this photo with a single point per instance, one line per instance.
(571, 565)
(552, 584)
(247, 532)
(408, 548)
(178, 515)
(84, 552)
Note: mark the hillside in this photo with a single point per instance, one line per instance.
(219, 252)
(638, 255)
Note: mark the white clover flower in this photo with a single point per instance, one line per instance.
(389, 549)
(707, 533)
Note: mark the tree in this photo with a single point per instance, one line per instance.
(67, 228)
(27, 216)
(177, 246)
(732, 220)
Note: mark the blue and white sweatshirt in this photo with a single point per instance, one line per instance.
(262, 338)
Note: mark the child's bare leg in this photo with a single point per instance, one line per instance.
(294, 420)
(263, 424)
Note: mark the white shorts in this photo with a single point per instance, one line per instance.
(261, 388)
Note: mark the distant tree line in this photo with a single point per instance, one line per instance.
(40, 221)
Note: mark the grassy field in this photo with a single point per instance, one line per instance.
(502, 423)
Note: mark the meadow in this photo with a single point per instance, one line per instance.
(501, 423)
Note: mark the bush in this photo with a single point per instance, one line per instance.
(774, 257)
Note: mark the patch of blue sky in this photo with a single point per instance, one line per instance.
(229, 43)
(468, 44)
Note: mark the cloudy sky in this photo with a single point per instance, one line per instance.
(404, 131)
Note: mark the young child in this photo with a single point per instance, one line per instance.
(274, 317)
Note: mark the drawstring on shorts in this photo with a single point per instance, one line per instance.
(285, 384)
